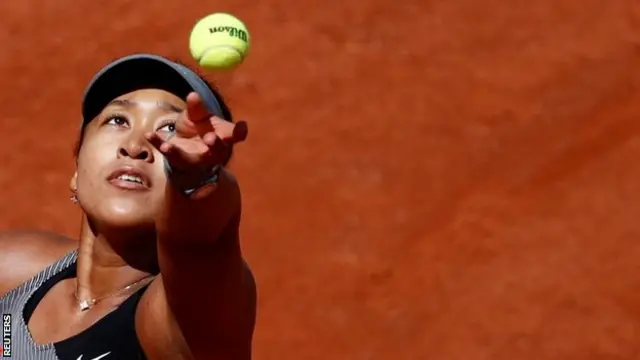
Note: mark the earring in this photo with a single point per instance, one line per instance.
(74, 198)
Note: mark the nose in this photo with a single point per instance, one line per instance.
(136, 147)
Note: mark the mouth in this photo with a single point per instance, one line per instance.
(129, 178)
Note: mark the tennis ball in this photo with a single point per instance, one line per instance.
(219, 41)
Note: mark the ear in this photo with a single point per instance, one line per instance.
(73, 184)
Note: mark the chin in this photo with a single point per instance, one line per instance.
(125, 213)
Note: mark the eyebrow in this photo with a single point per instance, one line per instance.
(162, 104)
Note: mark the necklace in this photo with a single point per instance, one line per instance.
(88, 304)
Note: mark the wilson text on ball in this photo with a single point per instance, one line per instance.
(235, 32)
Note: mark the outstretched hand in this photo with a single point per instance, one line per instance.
(200, 141)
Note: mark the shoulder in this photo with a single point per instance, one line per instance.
(24, 253)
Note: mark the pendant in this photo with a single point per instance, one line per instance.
(84, 305)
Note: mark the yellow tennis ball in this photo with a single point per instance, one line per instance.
(219, 41)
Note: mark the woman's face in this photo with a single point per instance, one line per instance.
(120, 180)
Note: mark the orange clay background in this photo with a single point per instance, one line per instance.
(424, 179)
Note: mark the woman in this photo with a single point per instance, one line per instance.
(157, 272)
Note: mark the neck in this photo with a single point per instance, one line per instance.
(109, 261)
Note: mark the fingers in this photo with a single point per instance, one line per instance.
(164, 146)
(174, 154)
(201, 143)
(230, 133)
(154, 139)
(210, 139)
(196, 109)
(218, 149)
(193, 120)
(196, 114)
(240, 131)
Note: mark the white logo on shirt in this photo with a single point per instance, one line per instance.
(96, 358)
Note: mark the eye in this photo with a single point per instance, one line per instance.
(117, 120)
(169, 126)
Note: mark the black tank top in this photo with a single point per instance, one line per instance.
(111, 338)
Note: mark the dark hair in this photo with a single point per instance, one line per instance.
(226, 112)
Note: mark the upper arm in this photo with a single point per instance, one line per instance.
(24, 253)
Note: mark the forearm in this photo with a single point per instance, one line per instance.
(198, 245)
(214, 275)
(199, 221)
